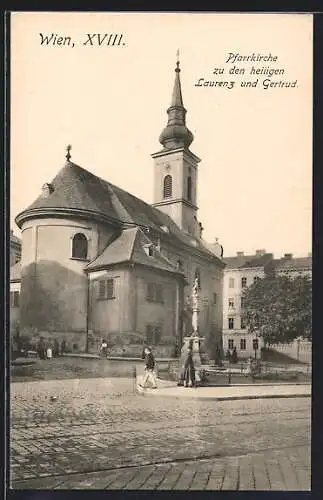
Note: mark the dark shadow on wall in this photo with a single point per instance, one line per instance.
(53, 298)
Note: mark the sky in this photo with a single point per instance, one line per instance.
(109, 103)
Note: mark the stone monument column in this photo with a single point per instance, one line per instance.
(195, 338)
(193, 341)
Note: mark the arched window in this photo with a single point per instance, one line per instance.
(168, 185)
(189, 188)
(79, 247)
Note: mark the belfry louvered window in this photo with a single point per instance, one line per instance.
(168, 186)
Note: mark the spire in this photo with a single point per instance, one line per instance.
(177, 99)
(176, 134)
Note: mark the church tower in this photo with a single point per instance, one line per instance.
(176, 167)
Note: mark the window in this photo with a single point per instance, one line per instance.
(153, 334)
(154, 292)
(243, 282)
(243, 302)
(14, 299)
(153, 236)
(243, 344)
(230, 344)
(231, 323)
(214, 298)
(189, 188)
(231, 282)
(243, 324)
(106, 289)
(151, 251)
(231, 303)
(168, 186)
(79, 247)
(256, 279)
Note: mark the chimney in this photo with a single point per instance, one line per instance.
(240, 254)
(288, 256)
(261, 252)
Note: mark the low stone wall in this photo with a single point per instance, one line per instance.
(75, 341)
(299, 350)
(119, 345)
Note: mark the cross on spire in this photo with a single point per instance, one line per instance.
(68, 154)
(177, 60)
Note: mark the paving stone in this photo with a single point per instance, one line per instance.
(246, 478)
(275, 476)
(216, 476)
(260, 473)
(288, 471)
(231, 474)
(91, 428)
(157, 476)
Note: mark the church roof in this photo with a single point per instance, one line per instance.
(76, 191)
(129, 246)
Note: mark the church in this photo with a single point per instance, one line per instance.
(99, 263)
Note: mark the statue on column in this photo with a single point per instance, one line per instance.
(195, 306)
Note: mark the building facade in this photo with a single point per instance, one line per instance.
(15, 249)
(292, 266)
(97, 262)
(241, 271)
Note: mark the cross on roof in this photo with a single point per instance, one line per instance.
(177, 58)
(68, 155)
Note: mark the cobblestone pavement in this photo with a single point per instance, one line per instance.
(100, 435)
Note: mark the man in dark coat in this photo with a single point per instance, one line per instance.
(189, 370)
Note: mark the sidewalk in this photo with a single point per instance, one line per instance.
(225, 393)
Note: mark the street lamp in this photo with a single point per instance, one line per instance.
(255, 344)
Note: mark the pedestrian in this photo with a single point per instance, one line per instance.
(189, 370)
(228, 355)
(104, 348)
(234, 355)
(55, 349)
(41, 349)
(149, 369)
(49, 351)
(63, 347)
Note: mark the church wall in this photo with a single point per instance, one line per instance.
(53, 284)
(155, 313)
(123, 320)
(106, 315)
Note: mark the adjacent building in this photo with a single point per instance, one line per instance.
(15, 248)
(292, 266)
(240, 272)
(98, 262)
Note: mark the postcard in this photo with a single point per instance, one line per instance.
(160, 251)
